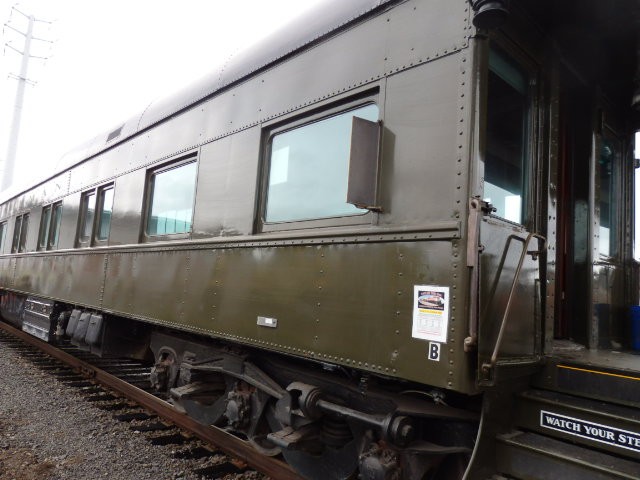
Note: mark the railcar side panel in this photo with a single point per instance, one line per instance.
(226, 190)
(125, 220)
(76, 278)
(69, 222)
(222, 292)
(6, 271)
(420, 161)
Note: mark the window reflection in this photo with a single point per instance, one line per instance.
(3, 234)
(607, 165)
(23, 233)
(45, 222)
(507, 133)
(104, 223)
(309, 168)
(172, 197)
(55, 225)
(88, 208)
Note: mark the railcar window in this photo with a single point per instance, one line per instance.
(45, 223)
(23, 232)
(20, 233)
(309, 169)
(507, 137)
(105, 210)
(636, 248)
(16, 234)
(87, 212)
(172, 193)
(54, 230)
(3, 235)
(608, 170)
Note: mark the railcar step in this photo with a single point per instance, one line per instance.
(530, 456)
(594, 423)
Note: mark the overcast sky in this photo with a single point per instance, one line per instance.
(111, 58)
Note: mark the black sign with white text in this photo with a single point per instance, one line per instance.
(592, 431)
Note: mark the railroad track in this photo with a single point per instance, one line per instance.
(119, 385)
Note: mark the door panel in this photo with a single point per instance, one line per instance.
(509, 327)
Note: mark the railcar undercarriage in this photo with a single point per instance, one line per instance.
(327, 421)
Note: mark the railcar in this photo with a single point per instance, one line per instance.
(394, 241)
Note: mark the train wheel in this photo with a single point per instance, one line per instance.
(319, 460)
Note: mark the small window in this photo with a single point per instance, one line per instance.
(105, 199)
(50, 226)
(87, 213)
(23, 232)
(54, 231)
(45, 223)
(94, 222)
(608, 173)
(20, 233)
(309, 169)
(3, 235)
(171, 198)
(508, 132)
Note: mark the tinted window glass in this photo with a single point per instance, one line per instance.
(23, 232)
(16, 234)
(309, 169)
(172, 196)
(507, 137)
(55, 225)
(45, 222)
(105, 213)
(3, 234)
(88, 212)
(607, 170)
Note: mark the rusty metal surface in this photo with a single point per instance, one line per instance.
(229, 444)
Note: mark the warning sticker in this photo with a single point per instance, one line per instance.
(590, 430)
(430, 313)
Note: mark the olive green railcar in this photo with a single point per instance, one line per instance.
(248, 268)
(358, 238)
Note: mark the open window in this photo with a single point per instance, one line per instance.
(171, 191)
(322, 168)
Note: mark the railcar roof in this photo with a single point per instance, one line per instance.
(319, 22)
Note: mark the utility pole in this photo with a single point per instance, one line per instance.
(9, 163)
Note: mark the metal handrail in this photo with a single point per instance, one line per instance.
(488, 367)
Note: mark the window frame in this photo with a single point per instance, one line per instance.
(4, 226)
(92, 240)
(19, 242)
(45, 226)
(99, 212)
(83, 241)
(616, 220)
(183, 160)
(531, 160)
(52, 229)
(301, 119)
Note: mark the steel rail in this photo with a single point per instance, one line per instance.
(231, 445)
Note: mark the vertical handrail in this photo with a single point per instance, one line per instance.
(488, 367)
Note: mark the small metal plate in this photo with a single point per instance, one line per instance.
(268, 322)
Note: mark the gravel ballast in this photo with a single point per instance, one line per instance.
(49, 432)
